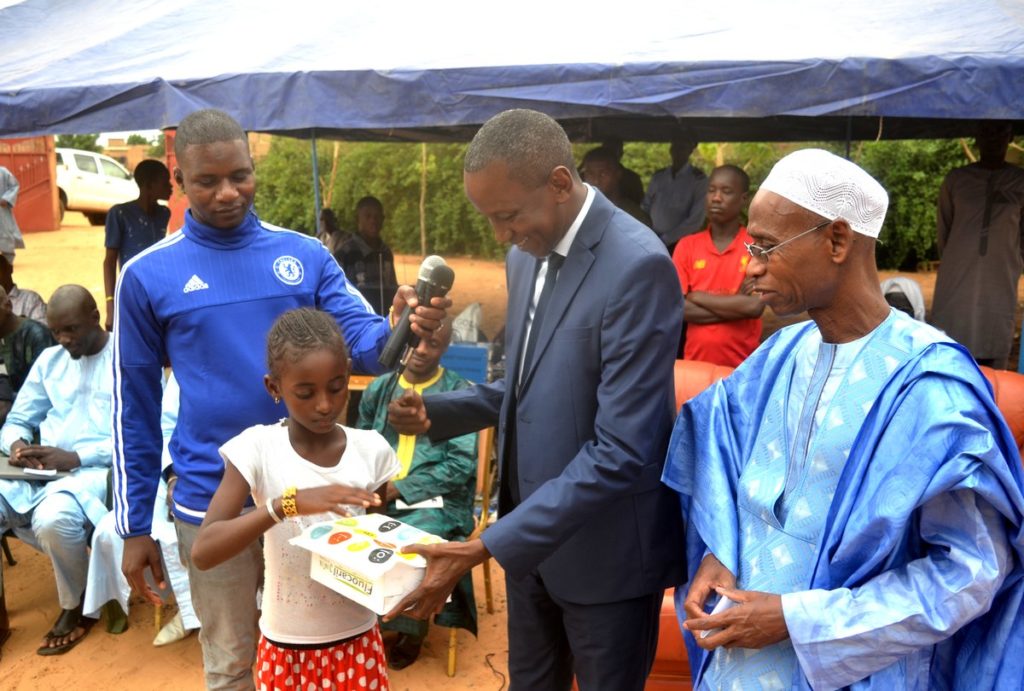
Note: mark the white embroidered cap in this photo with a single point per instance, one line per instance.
(831, 187)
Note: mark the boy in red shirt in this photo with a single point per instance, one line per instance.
(723, 319)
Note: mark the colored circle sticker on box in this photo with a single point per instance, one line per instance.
(355, 557)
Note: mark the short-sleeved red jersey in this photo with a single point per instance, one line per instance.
(702, 267)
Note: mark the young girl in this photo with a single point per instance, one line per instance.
(310, 634)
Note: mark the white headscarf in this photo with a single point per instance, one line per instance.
(909, 288)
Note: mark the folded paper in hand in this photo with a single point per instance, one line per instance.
(723, 604)
(45, 472)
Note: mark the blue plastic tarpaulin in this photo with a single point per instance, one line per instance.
(438, 70)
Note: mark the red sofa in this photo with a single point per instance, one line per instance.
(671, 671)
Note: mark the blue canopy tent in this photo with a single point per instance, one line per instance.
(743, 71)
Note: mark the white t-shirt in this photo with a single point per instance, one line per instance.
(297, 609)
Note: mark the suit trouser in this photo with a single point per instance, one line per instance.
(59, 528)
(224, 598)
(606, 646)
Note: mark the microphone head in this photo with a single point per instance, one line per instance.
(442, 279)
(428, 266)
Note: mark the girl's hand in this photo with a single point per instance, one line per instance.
(333, 498)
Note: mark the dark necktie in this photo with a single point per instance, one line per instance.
(508, 494)
(554, 264)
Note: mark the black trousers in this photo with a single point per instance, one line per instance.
(608, 646)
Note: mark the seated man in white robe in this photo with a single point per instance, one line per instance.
(852, 492)
(66, 401)
(107, 583)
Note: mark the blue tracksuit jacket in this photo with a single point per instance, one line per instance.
(203, 300)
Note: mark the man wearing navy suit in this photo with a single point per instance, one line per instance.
(587, 538)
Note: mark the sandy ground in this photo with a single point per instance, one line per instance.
(129, 661)
(104, 661)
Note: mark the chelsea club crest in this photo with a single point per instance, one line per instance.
(288, 270)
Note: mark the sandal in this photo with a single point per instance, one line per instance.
(68, 621)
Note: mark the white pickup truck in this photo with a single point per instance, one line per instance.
(92, 183)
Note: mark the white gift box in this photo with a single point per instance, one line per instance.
(360, 557)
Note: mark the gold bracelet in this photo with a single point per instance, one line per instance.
(288, 503)
(110, 298)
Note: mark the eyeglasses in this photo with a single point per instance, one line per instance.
(762, 253)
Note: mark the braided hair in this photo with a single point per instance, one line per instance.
(299, 332)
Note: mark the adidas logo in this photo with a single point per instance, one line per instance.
(195, 283)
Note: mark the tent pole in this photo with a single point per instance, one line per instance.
(316, 184)
(423, 198)
(849, 134)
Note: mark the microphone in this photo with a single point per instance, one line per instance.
(434, 280)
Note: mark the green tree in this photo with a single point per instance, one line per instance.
(284, 194)
(84, 142)
(645, 158)
(136, 139)
(158, 148)
(911, 172)
(390, 172)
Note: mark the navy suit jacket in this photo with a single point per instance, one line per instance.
(594, 416)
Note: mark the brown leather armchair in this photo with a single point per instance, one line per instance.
(671, 670)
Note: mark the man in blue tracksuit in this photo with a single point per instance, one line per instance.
(203, 300)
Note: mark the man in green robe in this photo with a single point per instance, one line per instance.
(436, 487)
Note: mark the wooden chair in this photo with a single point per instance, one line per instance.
(484, 483)
(485, 471)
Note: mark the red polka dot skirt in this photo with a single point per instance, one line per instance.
(354, 665)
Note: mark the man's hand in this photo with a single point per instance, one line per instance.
(4, 204)
(43, 457)
(425, 318)
(446, 564)
(754, 622)
(139, 553)
(408, 415)
(109, 323)
(710, 575)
